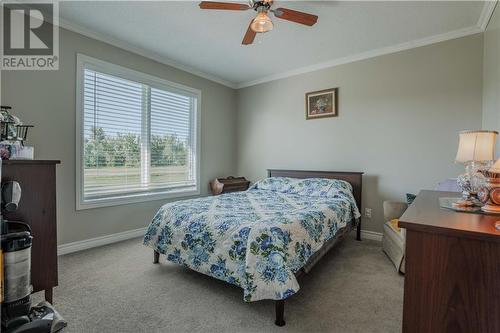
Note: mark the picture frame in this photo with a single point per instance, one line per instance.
(322, 104)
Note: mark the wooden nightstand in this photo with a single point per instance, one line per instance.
(452, 280)
(229, 184)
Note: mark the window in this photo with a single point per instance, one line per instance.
(137, 137)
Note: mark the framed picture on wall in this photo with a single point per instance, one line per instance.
(322, 104)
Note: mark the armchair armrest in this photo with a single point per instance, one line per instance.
(394, 209)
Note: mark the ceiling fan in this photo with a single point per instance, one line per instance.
(262, 22)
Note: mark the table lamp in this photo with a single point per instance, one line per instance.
(476, 150)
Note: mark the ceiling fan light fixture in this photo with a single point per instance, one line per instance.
(262, 23)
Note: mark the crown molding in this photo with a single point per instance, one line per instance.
(486, 13)
(65, 24)
(481, 25)
(366, 55)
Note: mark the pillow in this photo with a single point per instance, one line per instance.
(409, 198)
(307, 186)
(278, 184)
(394, 223)
(339, 185)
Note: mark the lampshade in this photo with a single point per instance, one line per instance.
(261, 23)
(476, 146)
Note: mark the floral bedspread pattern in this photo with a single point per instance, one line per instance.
(255, 239)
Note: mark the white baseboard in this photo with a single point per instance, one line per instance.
(121, 236)
(372, 235)
(98, 241)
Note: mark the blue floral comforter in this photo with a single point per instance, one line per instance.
(255, 239)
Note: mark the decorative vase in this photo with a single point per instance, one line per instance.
(471, 182)
(490, 193)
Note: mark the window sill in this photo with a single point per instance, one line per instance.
(137, 198)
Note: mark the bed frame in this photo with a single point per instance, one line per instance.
(355, 179)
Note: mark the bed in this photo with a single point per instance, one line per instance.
(261, 239)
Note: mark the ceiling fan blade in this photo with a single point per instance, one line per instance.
(249, 36)
(223, 5)
(295, 16)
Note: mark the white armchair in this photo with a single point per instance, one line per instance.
(394, 238)
(393, 241)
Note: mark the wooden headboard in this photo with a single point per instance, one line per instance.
(354, 178)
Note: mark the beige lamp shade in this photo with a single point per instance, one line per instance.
(476, 146)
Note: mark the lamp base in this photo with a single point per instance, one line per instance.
(489, 208)
(468, 201)
(471, 182)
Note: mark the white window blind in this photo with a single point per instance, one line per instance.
(138, 139)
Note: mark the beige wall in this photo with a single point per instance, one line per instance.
(47, 100)
(491, 75)
(399, 118)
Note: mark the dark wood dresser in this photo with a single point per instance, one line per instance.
(37, 208)
(452, 280)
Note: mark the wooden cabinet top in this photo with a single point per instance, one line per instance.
(426, 215)
(33, 162)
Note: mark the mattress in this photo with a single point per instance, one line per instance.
(257, 239)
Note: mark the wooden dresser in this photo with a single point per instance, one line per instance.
(37, 208)
(452, 280)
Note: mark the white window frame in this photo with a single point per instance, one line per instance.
(85, 62)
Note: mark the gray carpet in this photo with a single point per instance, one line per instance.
(116, 288)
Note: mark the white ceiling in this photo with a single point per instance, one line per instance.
(208, 42)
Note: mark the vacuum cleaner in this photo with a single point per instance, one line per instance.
(18, 316)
